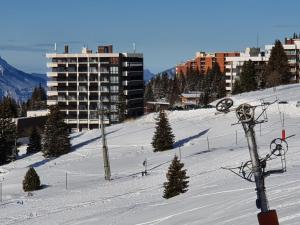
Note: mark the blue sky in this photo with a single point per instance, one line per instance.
(166, 31)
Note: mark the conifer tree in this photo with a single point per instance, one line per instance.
(237, 88)
(38, 99)
(8, 107)
(34, 141)
(31, 180)
(277, 70)
(121, 106)
(56, 139)
(248, 77)
(8, 136)
(163, 138)
(174, 92)
(177, 182)
(149, 95)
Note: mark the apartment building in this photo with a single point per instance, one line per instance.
(292, 49)
(203, 62)
(80, 82)
(234, 64)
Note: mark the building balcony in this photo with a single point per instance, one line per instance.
(52, 64)
(52, 74)
(133, 82)
(230, 73)
(52, 83)
(52, 93)
(127, 92)
(51, 102)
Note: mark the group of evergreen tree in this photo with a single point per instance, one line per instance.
(37, 101)
(8, 129)
(275, 72)
(163, 140)
(8, 137)
(55, 139)
(170, 88)
(248, 80)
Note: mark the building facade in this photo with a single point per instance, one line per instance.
(292, 49)
(83, 83)
(234, 64)
(204, 62)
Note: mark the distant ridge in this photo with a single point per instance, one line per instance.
(17, 83)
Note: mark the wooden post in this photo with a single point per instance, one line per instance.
(1, 192)
(66, 180)
(208, 143)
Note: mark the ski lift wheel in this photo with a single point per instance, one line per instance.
(245, 113)
(278, 147)
(224, 105)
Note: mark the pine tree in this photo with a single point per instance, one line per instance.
(237, 87)
(56, 139)
(177, 182)
(121, 106)
(8, 107)
(31, 180)
(34, 142)
(214, 83)
(149, 95)
(8, 136)
(38, 99)
(174, 92)
(248, 77)
(278, 70)
(163, 138)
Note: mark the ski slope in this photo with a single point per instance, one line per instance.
(215, 196)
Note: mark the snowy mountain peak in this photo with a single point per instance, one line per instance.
(16, 82)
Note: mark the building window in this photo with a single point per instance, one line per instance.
(114, 79)
(114, 98)
(114, 117)
(114, 60)
(114, 89)
(114, 70)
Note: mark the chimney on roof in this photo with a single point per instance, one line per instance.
(66, 49)
(105, 49)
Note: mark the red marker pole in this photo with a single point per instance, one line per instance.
(283, 134)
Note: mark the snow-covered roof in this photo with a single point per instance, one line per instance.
(159, 103)
(192, 95)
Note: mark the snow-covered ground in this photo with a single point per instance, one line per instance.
(215, 196)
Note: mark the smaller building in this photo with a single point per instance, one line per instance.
(203, 62)
(156, 106)
(192, 99)
(234, 65)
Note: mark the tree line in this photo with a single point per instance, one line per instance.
(163, 86)
(53, 140)
(275, 72)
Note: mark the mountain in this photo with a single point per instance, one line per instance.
(17, 83)
(148, 75)
(171, 72)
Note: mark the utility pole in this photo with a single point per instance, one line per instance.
(262, 202)
(245, 115)
(104, 144)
